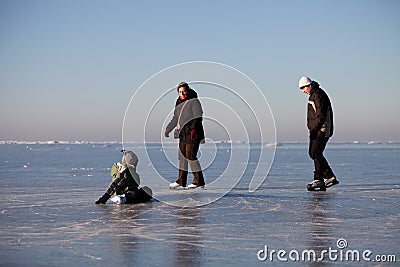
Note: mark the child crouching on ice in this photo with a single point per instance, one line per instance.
(125, 182)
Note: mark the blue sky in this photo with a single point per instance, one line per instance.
(69, 68)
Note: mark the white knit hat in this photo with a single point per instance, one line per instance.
(304, 81)
(130, 158)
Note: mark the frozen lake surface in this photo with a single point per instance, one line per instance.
(48, 216)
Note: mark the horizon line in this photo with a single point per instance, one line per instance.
(61, 142)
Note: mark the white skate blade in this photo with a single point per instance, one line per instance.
(200, 187)
(178, 188)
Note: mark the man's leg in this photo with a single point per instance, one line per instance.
(191, 153)
(183, 165)
(316, 150)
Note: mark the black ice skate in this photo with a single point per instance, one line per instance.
(331, 181)
(316, 185)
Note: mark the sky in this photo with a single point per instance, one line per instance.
(69, 69)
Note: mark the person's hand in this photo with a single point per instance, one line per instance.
(166, 133)
(103, 199)
(193, 134)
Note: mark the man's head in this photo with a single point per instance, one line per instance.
(305, 84)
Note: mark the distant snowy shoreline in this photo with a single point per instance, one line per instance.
(52, 142)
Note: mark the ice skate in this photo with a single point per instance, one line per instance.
(316, 185)
(175, 185)
(331, 181)
(119, 199)
(193, 186)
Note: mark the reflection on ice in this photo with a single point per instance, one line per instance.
(48, 216)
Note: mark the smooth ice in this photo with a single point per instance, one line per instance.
(48, 216)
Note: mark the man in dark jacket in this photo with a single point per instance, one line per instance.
(188, 124)
(320, 126)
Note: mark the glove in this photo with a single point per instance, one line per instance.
(193, 134)
(103, 199)
(166, 133)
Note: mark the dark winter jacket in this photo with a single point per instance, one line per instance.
(191, 119)
(320, 113)
(123, 182)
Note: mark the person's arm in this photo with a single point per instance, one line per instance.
(172, 124)
(197, 118)
(110, 190)
(320, 114)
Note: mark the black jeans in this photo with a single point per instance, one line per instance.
(137, 196)
(187, 154)
(316, 152)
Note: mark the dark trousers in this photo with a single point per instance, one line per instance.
(137, 196)
(187, 155)
(316, 153)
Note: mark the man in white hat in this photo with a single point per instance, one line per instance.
(320, 126)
